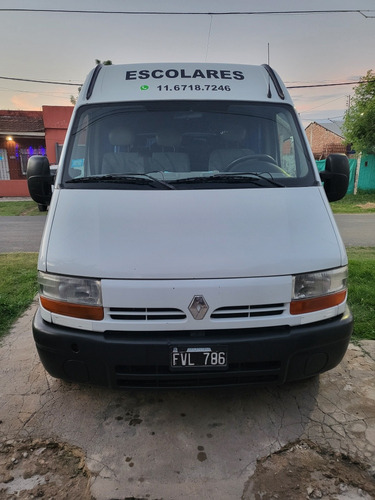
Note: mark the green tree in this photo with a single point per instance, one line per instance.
(359, 120)
(73, 99)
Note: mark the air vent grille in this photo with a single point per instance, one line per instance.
(146, 314)
(258, 311)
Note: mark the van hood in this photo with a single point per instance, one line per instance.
(190, 234)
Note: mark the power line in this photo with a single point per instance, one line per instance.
(362, 12)
(315, 85)
(320, 119)
(39, 81)
(321, 105)
(48, 93)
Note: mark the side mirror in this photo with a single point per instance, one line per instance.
(39, 179)
(336, 176)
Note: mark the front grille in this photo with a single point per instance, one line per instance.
(123, 370)
(161, 376)
(223, 335)
(146, 314)
(202, 382)
(234, 312)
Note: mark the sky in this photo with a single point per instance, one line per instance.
(304, 48)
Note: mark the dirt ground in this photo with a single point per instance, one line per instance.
(42, 469)
(49, 470)
(366, 205)
(304, 471)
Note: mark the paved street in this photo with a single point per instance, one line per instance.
(23, 234)
(357, 230)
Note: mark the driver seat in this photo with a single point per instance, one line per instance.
(232, 139)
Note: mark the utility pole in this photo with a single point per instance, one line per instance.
(356, 176)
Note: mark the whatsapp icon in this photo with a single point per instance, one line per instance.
(144, 87)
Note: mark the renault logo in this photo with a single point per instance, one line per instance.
(198, 307)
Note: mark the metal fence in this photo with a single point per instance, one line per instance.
(362, 175)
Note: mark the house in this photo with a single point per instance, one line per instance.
(27, 133)
(21, 135)
(325, 137)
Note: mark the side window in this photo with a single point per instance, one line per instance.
(286, 145)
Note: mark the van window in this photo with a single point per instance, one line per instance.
(187, 145)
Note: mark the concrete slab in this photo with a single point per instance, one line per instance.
(185, 444)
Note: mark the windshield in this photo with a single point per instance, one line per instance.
(186, 145)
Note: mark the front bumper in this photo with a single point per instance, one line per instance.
(142, 359)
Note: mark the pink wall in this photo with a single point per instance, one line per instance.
(56, 120)
(14, 188)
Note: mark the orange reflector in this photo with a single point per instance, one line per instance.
(74, 310)
(310, 305)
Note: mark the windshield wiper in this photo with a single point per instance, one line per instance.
(252, 178)
(244, 176)
(122, 178)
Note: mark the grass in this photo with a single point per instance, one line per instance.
(350, 204)
(18, 286)
(360, 203)
(19, 208)
(361, 296)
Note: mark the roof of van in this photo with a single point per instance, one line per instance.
(183, 81)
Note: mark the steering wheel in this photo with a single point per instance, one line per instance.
(271, 164)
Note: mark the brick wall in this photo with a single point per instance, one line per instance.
(323, 142)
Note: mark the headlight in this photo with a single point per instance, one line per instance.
(77, 297)
(321, 290)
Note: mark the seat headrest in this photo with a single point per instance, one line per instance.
(233, 135)
(121, 136)
(168, 138)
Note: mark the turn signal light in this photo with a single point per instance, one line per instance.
(304, 306)
(95, 313)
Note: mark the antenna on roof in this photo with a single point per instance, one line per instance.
(209, 37)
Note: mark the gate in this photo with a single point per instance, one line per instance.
(4, 167)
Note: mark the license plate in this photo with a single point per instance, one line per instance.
(199, 357)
